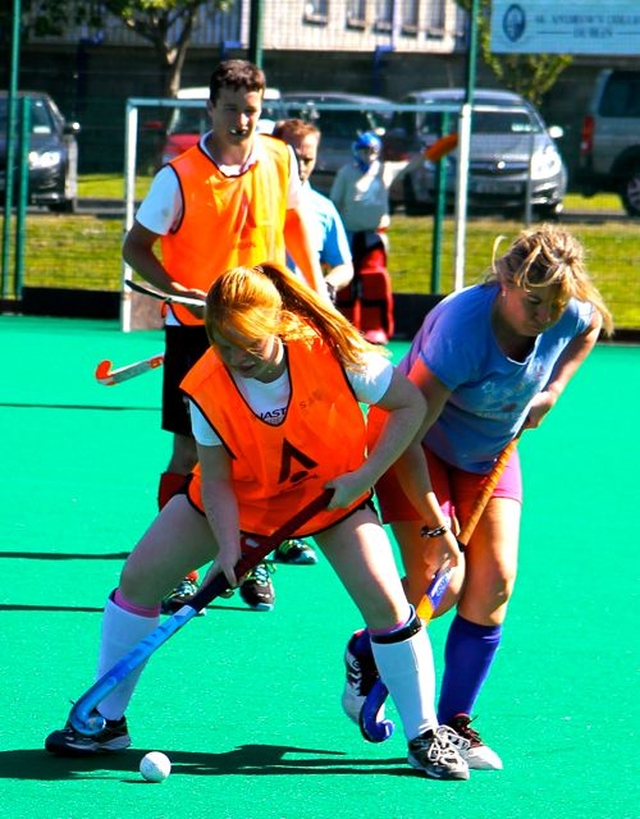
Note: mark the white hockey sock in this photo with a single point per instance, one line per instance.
(121, 631)
(405, 662)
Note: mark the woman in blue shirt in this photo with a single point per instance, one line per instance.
(491, 360)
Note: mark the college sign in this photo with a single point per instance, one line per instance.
(570, 27)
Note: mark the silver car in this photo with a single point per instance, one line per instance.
(341, 118)
(513, 154)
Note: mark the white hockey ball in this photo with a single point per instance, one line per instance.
(155, 766)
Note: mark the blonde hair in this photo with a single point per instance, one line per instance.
(255, 302)
(549, 255)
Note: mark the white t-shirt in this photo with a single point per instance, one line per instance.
(362, 199)
(269, 401)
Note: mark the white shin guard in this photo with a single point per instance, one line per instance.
(121, 631)
(405, 662)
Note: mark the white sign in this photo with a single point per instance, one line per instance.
(568, 27)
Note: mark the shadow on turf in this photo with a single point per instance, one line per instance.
(254, 760)
(99, 610)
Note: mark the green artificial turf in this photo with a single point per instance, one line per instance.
(247, 704)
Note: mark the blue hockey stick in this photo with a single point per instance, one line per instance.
(372, 728)
(84, 717)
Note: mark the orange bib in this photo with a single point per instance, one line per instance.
(278, 469)
(227, 220)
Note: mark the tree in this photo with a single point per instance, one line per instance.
(153, 20)
(530, 75)
(166, 24)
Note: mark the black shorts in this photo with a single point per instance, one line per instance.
(184, 345)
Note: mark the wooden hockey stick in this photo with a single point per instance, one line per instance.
(105, 375)
(378, 730)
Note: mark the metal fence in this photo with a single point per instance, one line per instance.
(80, 252)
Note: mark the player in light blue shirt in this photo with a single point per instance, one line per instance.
(491, 360)
(326, 230)
(490, 392)
(327, 236)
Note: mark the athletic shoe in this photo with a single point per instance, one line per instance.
(435, 755)
(182, 593)
(295, 552)
(257, 589)
(361, 674)
(68, 742)
(479, 756)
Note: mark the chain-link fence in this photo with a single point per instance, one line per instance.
(81, 250)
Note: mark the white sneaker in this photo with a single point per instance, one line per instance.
(478, 755)
(436, 755)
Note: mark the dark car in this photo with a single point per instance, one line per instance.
(341, 118)
(52, 157)
(512, 153)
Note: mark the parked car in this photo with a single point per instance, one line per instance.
(187, 124)
(610, 142)
(52, 157)
(341, 118)
(512, 153)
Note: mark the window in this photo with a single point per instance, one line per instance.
(384, 15)
(316, 12)
(357, 14)
(503, 122)
(409, 16)
(40, 117)
(622, 96)
(435, 18)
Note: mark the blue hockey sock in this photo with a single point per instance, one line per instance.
(469, 652)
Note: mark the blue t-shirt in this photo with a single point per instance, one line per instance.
(327, 234)
(490, 393)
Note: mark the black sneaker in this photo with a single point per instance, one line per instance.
(182, 593)
(257, 589)
(68, 742)
(361, 674)
(435, 755)
(295, 552)
(478, 755)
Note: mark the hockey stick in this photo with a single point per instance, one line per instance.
(105, 375)
(169, 298)
(83, 716)
(372, 729)
(428, 604)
